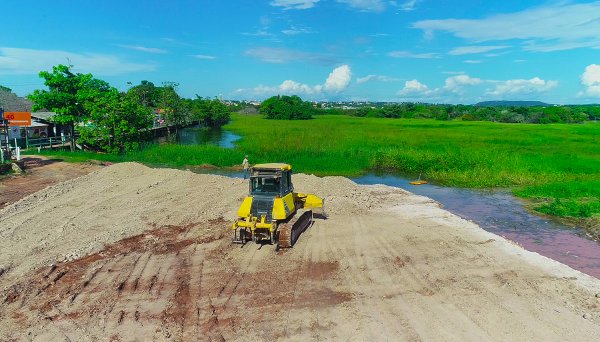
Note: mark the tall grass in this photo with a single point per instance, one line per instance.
(467, 154)
(556, 165)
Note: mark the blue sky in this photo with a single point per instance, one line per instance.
(379, 50)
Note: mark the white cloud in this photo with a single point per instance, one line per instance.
(338, 79)
(591, 80)
(472, 61)
(293, 87)
(282, 55)
(294, 4)
(456, 84)
(143, 48)
(591, 75)
(414, 88)
(203, 56)
(31, 62)
(408, 54)
(409, 5)
(465, 50)
(262, 32)
(455, 88)
(521, 86)
(366, 5)
(369, 78)
(295, 30)
(557, 26)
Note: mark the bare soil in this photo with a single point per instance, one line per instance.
(40, 172)
(131, 253)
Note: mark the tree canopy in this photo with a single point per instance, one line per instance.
(115, 122)
(507, 114)
(104, 118)
(209, 113)
(283, 107)
(67, 94)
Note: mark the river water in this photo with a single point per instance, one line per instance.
(498, 212)
(200, 136)
(503, 214)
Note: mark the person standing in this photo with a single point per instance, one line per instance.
(246, 166)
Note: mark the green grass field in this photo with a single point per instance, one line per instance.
(556, 166)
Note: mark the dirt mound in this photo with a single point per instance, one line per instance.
(78, 217)
(343, 195)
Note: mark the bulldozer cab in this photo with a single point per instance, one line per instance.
(271, 180)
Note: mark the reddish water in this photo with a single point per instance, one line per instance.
(503, 214)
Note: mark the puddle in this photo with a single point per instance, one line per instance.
(503, 214)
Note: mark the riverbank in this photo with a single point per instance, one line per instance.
(382, 264)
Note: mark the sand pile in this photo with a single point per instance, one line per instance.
(80, 216)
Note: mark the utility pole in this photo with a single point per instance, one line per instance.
(5, 124)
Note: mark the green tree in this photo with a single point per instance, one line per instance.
(117, 122)
(175, 110)
(146, 94)
(284, 107)
(209, 113)
(66, 95)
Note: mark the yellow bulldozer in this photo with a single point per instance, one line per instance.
(273, 212)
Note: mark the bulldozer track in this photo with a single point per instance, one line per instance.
(289, 232)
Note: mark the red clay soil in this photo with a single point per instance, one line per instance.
(171, 280)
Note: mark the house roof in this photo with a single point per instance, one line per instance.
(12, 103)
(43, 115)
(37, 124)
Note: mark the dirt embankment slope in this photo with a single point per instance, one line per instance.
(129, 252)
(40, 173)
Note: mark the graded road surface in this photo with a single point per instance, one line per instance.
(130, 253)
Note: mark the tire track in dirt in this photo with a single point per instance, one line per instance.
(174, 315)
(218, 303)
(104, 286)
(371, 291)
(406, 284)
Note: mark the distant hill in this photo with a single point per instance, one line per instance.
(512, 104)
(12, 103)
